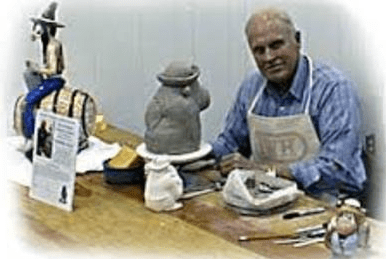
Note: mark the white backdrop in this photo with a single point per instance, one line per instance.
(114, 49)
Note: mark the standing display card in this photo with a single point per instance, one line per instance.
(53, 170)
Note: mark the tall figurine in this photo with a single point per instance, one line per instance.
(173, 115)
(47, 89)
(42, 81)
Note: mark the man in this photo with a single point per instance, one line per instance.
(298, 117)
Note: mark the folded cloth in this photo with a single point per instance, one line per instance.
(92, 158)
(19, 168)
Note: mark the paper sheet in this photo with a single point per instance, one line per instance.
(19, 168)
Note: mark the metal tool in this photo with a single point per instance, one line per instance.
(304, 238)
(266, 237)
(312, 228)
(299, 234)
(310, 242)
(302, 213)
(195, 166)
(190, 195)
(301, 237)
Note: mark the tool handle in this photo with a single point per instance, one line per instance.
(310, 242)
(301, 213)
(266, 237)
(196, 193)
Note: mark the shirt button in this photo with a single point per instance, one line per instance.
(282, 108)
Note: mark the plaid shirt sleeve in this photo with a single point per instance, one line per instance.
(235, 134)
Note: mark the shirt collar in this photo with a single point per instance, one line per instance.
(300, 80)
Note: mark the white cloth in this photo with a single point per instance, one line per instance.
(236, 193)
(19, 168)
(91, 158)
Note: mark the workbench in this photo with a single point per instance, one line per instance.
(111, 220)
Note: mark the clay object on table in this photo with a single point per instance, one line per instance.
(348, 230)
(163, 186)
(47, 88)
(44, 30)
(172, 117)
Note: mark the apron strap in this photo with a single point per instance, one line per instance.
(259, 93)
(310, 84)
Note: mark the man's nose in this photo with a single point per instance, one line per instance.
(268, 54)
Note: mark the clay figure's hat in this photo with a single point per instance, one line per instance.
(352, 206)
(48, 16)
(179, 73)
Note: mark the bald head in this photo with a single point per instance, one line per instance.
(270, 17)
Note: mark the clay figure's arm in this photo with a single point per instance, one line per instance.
(54, 59)
(154, 113)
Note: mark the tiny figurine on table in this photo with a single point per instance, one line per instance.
(163, 186)
(46, 85)
(348, 230)
(172, 118)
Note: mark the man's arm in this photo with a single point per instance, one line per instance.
(339, 163)
(235, 134)
(53, 57)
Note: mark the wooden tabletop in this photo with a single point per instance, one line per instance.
(112, 219)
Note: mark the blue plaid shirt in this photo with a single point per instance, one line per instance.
(334, 111)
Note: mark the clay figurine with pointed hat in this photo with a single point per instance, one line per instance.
(43, 80)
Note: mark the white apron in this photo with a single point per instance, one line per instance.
(286, 139)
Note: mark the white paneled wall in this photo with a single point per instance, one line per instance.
(114, 49)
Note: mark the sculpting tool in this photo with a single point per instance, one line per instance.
(302, 213)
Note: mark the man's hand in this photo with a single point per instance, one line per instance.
(284, 172)
(236, 160)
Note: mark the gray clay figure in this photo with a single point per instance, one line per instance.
(172, 117)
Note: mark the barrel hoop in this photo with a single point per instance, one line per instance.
(56, 100)
(83, 120)
(70, 109)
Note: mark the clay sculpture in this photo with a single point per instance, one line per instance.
(172, 117)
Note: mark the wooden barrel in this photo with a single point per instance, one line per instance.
(67, 101)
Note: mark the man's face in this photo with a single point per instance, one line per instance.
(275, 49)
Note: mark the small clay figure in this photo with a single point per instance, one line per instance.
(173, 115)
(42, 81)
(348, 230)
(163, 186)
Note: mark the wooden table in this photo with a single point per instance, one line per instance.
(112, 220)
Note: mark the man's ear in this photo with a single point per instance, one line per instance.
(298, 37)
